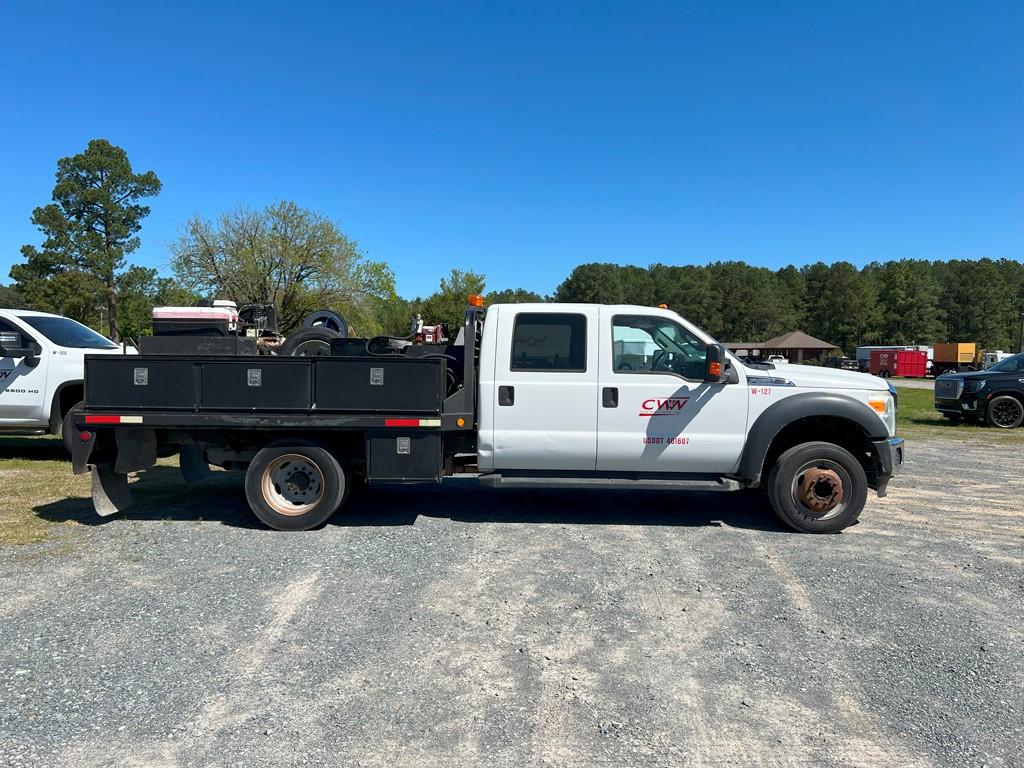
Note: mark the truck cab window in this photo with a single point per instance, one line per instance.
(549, 342)
(646, 344)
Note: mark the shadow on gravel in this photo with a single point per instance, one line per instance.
(463, 500)
(33, 449)
(161, 494)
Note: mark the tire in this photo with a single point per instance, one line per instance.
(814, 506)
(1005, 412)
(327, 318)
(309, 342)
(295, 486)
(67, 426)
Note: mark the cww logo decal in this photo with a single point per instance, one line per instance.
(656, 406)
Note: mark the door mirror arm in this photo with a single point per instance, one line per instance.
(732, 375)
(28, 354)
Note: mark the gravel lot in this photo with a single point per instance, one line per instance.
(460, 626)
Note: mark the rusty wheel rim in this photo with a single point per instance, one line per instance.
(820, 489)
(292, 485)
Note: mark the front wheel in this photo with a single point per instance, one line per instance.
(1005, 412)
(295, 487)
(818, 488)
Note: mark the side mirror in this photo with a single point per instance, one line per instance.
(9, 347)
(714, 371)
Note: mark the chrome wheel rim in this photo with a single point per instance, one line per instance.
(292, 485)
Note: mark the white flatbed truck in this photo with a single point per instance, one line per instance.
(528, 395)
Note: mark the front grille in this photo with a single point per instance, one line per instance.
(949, 389)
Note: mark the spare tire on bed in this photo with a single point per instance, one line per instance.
(309, 342)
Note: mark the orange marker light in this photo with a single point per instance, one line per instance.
(476, 300)
(663, 306)
(715, 369)
(878, 405)
(460, 422)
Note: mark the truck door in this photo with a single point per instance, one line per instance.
(657, 414)
(22, 380)
(545, 389)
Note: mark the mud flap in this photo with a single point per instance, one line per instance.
(194, 467)
(110, 492)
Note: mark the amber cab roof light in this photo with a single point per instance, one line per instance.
(476, 300)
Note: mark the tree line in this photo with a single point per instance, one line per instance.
(894, 302)
(300, 260)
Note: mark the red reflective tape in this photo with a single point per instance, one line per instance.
(401, 422)
(102, 419)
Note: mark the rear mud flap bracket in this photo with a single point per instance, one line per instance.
(193, 464)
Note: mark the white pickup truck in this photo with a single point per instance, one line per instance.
(528, 395)
(41, 369)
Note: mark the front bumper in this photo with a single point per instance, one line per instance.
(967, 405)
(889, 456)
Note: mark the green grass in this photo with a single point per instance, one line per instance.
(916, 417)
(33, 471)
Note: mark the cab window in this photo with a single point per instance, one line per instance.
(543, 341)
(648, 344)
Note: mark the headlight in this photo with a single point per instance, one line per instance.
(885, 407)
(974, 385)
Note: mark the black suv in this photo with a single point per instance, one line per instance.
(995, 394)
(843, 363)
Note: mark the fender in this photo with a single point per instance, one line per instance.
(55, 420)
(1004, 389)
(806, 405)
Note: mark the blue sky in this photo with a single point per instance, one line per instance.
(521, 139)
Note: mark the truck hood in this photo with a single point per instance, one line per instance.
(967, 375)
(820, 378)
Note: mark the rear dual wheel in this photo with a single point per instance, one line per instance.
(295, 486)
(818, 488)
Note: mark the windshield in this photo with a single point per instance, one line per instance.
(1010, 364)
(65, 332)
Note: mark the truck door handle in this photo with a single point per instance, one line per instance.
(610, 397)
(506, 395)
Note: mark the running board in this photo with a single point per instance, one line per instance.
(617, 483)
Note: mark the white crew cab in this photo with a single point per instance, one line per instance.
(41, 369)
